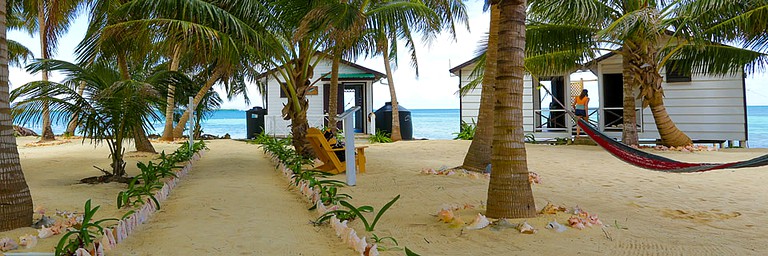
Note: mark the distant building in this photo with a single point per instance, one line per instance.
(707, 108)
(354, 80)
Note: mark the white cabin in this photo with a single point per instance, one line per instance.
(706, 108)
(355, 89)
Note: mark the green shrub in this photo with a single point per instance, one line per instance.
(466, 131)
(380, 137)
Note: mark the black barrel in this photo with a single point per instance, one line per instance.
(254, 122)
(384, 120)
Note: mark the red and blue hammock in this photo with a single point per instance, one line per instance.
(650, 161)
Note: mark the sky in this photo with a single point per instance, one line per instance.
(434, 88)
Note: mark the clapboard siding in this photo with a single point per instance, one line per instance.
(274, 123)
(706, 108)
(470, 102)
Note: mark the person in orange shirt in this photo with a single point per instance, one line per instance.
(581, 108)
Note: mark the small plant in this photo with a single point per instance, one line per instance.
(380, 241)
(359, 210)
(380, 137)
(341, 214)
(530, 138)
(466, 131)
(408, 252)
(136, 194)
(84, 235)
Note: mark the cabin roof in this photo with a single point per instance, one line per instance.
(455, 70)
(368, 74)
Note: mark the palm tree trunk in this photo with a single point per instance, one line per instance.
(179, 130)
(629, 131)
(333, 97)
(646, 74)
(670, 134)
(47, 134)
(15, 198)
(170, 100)
(72, 126)
(395, 136)
(479, 153)
(142, 141)
(509, 193)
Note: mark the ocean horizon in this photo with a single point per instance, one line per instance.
(434, 124)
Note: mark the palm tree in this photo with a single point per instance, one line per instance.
(110, 109)
(651, 35)
(509, 193)
(225, 33)
(15, 198)
(540, 60)
(479, 153)
(51, 19)
(388, 28)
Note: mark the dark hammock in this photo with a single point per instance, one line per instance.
(650, 161)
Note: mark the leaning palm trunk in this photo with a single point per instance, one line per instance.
(629, 131)
(142, 141)
(648, 77)
(217, 73)
(479, 153)
(15, 198)
(333, 96)
(170, 101)
(72, 126)
(395, 136)
(670, 134)
(509, 193)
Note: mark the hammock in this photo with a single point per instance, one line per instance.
(650, 161)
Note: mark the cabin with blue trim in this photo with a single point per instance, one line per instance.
(709, 109)
(355, 89)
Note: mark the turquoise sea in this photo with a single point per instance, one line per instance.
(433, 124)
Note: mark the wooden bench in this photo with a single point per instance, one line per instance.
(331, 163)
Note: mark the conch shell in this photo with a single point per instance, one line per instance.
(593, 219)
(28, 241)
(44, 232)
(445, 215)
(576, 222)
(556, 226)
(552, 209)
(7, 244)
(40, 210)
(82, 252)
(371, 250)
(44, 221)
(526, 228)
(479, 222)
(534, 178)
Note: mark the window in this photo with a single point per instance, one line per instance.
(678, 71)
(282, 91)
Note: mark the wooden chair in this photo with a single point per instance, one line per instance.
(331, 163)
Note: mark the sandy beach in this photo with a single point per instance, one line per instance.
(234, 202)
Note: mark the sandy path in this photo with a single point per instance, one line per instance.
(232, 203)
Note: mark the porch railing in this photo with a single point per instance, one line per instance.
(555, 120)
(618, 123)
